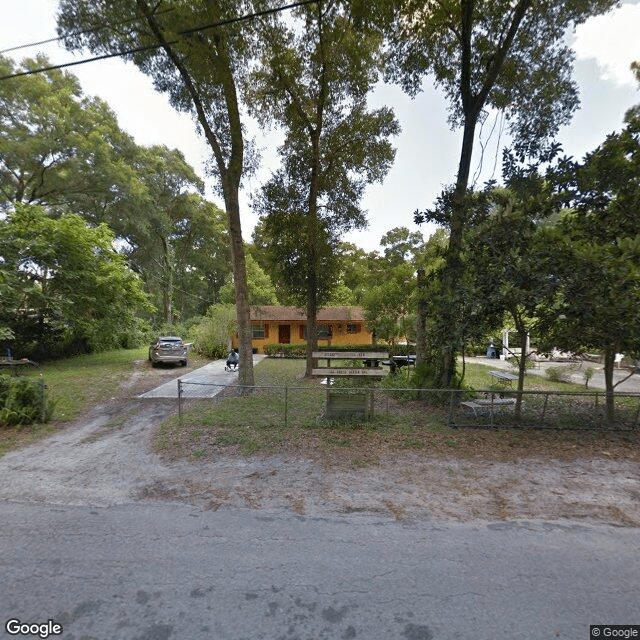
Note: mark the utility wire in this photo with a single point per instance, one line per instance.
(79, 33)
(249, 16)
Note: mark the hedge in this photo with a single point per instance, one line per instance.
(299, 350)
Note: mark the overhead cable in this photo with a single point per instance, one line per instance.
(158, 45)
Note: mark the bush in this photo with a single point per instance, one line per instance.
(559, 374)
(285, 350)
(22, 401)
(212, 335)
(299, 350)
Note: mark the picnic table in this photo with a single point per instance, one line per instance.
(397, 362)
(15, 365)
(489, 406)
(504, 377)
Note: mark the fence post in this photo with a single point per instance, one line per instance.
(179, 402)
(43, 403)
(454, 400)
(286, 405)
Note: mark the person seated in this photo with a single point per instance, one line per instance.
(232, 360)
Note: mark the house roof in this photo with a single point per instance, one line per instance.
(327, 314)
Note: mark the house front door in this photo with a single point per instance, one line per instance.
(284, 333)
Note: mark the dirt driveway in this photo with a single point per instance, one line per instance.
(106, 459)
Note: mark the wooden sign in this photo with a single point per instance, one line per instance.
(350, 355)
(331, 372)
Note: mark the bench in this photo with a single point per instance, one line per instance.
(489, 407)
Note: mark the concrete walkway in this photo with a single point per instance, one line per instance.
(577, 377)
(206, 381)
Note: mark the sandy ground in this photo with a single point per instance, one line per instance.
(106, 458)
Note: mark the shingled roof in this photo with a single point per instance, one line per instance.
(295, 314)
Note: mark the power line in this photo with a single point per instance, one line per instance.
(79, 33)
(124, 52)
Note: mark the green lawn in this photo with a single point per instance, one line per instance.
(74, 385)
(286, 413)
(273, 420)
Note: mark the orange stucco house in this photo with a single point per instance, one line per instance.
(286, 325)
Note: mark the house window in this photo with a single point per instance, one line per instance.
(324, 331)
(260, 331)
(353, 328)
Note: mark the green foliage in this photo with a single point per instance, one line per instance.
(213, 334)
(261, 289)
(23, 401)
(559, 374)
(65, 288)
(285, 350)
(401, 245)
(389, 307)
(60, 147)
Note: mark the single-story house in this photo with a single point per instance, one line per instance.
(287, 325)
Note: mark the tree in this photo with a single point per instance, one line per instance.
(203, 257)
(504, 55)
(401, 245)
(168, 229)
(64, 287)
(314, 78)
(214, 333)
(59, 147)
(389, 307)
(599, 302)
(198, 68)
(261, 290)
(511, 264)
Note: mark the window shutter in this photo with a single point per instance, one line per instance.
(266, 330)
(301, 333)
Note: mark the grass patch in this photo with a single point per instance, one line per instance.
(78, 383)
(270, 420)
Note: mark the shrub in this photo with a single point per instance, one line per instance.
(22, 401)
(299, 350)
(559, 374)
(285, 350)
(212, 335)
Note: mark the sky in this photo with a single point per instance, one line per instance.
(427, 151)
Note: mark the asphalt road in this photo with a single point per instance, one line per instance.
(167, 571)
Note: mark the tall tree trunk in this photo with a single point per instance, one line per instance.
(472, 101)
(522, 368)
(230, 165)
(421, 322)
(448, 312)
(312, 267)
(245, 333)
(609, 363)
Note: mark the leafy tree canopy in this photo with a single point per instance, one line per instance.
(59, 147)
(63, 285)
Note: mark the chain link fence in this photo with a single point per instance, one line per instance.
(455, 408)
